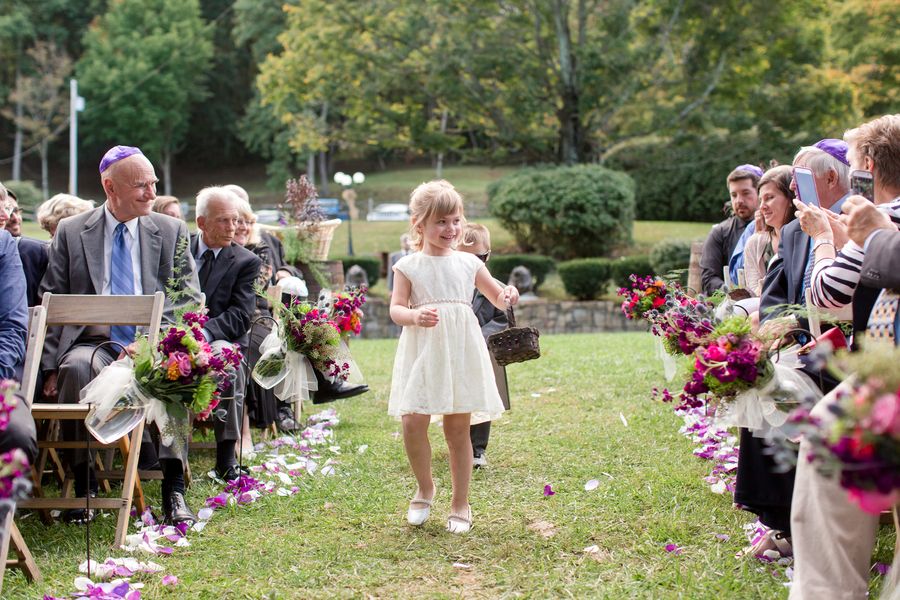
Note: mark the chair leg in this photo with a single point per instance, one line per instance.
(10, 536)
(131, 486)
(104, 463)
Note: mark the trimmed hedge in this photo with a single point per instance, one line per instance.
(565, 212)
(671, 255)
(622, 268)
(682, 178)
(370, 264)
(585, 278)
(501, 265)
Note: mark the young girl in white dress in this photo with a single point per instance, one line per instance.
(442, 365)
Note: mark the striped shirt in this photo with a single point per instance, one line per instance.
(834, 280)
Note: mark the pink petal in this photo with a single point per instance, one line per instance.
(169, 580)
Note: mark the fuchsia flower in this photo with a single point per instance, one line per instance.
(885, 415)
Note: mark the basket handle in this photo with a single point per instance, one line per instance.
(510, 317)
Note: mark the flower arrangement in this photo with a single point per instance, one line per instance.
(645, 294)
(733, 361)
(305, 330)
(183, 370)
(346, 310)
(683, 323)
(14, 467)
(860, 445)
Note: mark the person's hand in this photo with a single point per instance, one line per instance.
(129, 350)
(862, 218)
(759, 223)
(838, 230)
(511, 295)
(813, 221)
(426, 317)
(50, 390)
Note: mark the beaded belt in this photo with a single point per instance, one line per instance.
(441, 302)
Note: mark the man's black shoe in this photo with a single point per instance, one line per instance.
(79, 516)
(286, 421)
(337, 392)
(176, 510)
(230, 473)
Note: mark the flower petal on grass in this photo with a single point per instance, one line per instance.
(624, 422)
(548, 490)
(722, 537)
(674, 549)
(591, 485)
(169, 580)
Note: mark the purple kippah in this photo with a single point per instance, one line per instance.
(117, 153)
(836, 148)
(751, 168)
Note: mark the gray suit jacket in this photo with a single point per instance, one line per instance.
(881, 265)
(76, 267)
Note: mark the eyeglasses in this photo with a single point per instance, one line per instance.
(484, 257)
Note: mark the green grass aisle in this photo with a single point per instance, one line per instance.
(346, 535)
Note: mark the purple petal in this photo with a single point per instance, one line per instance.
(169, 580)
(548, 490)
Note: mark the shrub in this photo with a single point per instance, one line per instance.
(501, 265)
(585, 278)
(28, 195)
(671, 255)
(683, 178)
(622, 268)
(370, 264)
(565, 212)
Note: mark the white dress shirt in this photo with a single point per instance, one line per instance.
(132, 241)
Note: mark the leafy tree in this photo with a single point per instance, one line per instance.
(42, 100)
(144, 67)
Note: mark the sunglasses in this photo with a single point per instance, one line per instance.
(483, 257)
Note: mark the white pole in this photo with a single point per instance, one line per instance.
(73, 137)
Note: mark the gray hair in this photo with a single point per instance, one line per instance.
(209, 193)
(820, 162)
(238, 191)
(60, 206)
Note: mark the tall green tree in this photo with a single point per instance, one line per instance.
(143, 69)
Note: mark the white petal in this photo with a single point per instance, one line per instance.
(593, 484)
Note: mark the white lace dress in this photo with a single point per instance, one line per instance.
(444, 369)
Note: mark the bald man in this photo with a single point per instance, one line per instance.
(120, 237)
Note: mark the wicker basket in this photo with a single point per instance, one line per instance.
(320, 235)
(514, 344)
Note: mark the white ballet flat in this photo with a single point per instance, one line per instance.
(418, 516)
(460, 524)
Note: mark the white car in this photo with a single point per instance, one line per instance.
(389, 212)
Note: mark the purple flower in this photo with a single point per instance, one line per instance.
(548, 490)
(674, 549)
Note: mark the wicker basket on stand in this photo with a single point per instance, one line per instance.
(320, 235)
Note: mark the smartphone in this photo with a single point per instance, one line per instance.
(862, 184)
(806, 186)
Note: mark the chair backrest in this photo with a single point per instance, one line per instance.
(87, 310)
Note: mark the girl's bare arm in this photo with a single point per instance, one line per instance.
(401, 313)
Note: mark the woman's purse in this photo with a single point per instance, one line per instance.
(514, 344)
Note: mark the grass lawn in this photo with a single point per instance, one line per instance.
(346, 537)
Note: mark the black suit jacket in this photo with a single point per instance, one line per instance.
(784, 280)
(230, 297)
(34, 254)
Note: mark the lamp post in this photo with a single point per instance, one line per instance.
(349, 196)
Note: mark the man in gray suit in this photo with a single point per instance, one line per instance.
(120, 248)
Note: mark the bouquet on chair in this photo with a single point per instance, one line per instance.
(14, 468)
(179, 378)
(346, 310)
(644, 295)
(305, 339)
(858, 442)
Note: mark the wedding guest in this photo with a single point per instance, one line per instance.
(442, 365)
(873, 147)
(775, 211)
(724, 246)
(32, 252)
(227, 275)
(280, 267)
(122, 236)
(477, 241)
(833, 537)
(57, 208)
(168, 205)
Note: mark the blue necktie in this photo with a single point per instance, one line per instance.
(121, 282)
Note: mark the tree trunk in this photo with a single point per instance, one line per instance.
(570, 135)
(45, 179)
(17, 144)
(439, 167)
(311, 168)
(167, 171)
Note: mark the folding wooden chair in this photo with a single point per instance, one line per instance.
(88, 310)
(11, 538)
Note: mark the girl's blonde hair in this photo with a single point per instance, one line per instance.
(433, 199)
(476, 233)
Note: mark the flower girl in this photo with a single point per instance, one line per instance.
(442, 365)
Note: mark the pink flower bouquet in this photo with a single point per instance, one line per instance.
(645, 294)
(346, 311)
